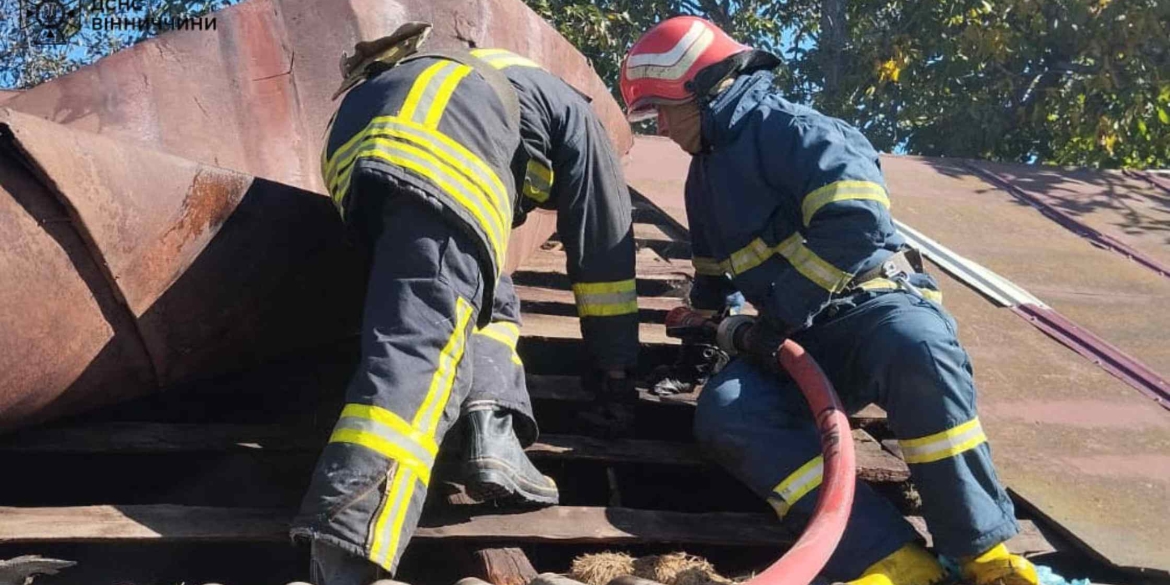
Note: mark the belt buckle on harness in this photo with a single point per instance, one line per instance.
(891, 271)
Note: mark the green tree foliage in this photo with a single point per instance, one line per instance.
(1075, 82)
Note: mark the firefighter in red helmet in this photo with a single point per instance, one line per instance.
(789, 207)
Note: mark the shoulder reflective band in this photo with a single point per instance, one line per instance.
(797, 485)
(606, 299)
(842, 191)
(502, 58)
(431, 91)
(942, 445)
(448, 164)
(538, 180)
(505, 332)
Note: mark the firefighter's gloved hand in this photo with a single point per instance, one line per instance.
(755, 339)
(695, 364)
(611, 414)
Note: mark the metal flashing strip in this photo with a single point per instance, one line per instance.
(995, 287)
(1095, 349)
(1071, 223)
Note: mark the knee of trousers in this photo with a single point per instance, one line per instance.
(719, 414)
(928, 376)
(743, 415)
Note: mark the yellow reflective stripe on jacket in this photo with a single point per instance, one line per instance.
(707, 266)
(431, 91)
(445, 178)
(813, 267)
(750, 256)
(887, 284)
(505, 332)
(606, 299)
(538, 181)
(948, 443)
(439, 144)
(455, 157)
(801, 257)
(797, 485)
(502, 58)
(842, 191)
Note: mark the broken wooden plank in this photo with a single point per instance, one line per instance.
(579, 524)
(502, 565)
(565, 524)
(650, 265)
(873, 463)
(545, 295)
(560, 524)
(149, 438)
(568, 389)
(566, 327)
(135, 437)
(160, 522)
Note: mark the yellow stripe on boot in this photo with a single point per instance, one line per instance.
(999, 566)
(909, 565)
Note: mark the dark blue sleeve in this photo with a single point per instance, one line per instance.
(833, 174)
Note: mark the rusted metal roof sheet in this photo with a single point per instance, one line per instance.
(1078, 444)
(1116, 210)
(1100, 290)
(199, 269)
(254, 95)
(64, 332)
(204, 265)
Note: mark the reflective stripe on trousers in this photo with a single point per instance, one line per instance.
(367, 491)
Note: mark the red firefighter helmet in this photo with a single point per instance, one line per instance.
(661, 64)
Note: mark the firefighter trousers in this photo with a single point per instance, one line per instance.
(418, 341)
(901, 352)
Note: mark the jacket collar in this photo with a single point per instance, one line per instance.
(721, 114)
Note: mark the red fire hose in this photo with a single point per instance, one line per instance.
(812, 550)
(808, 556)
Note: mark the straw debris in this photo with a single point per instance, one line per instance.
(670, 569)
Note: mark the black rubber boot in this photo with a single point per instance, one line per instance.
(496, 467)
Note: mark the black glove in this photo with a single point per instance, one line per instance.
(760, 342)
(611, 414)
(695, 364)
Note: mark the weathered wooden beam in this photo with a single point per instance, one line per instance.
(557, 524)
(565, 524)
(874, 464)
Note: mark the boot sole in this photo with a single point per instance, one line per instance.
(496, 481)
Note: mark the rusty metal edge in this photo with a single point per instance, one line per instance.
(1095, 349)
(1077, 543)
(10, 131)
(1071, 223)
